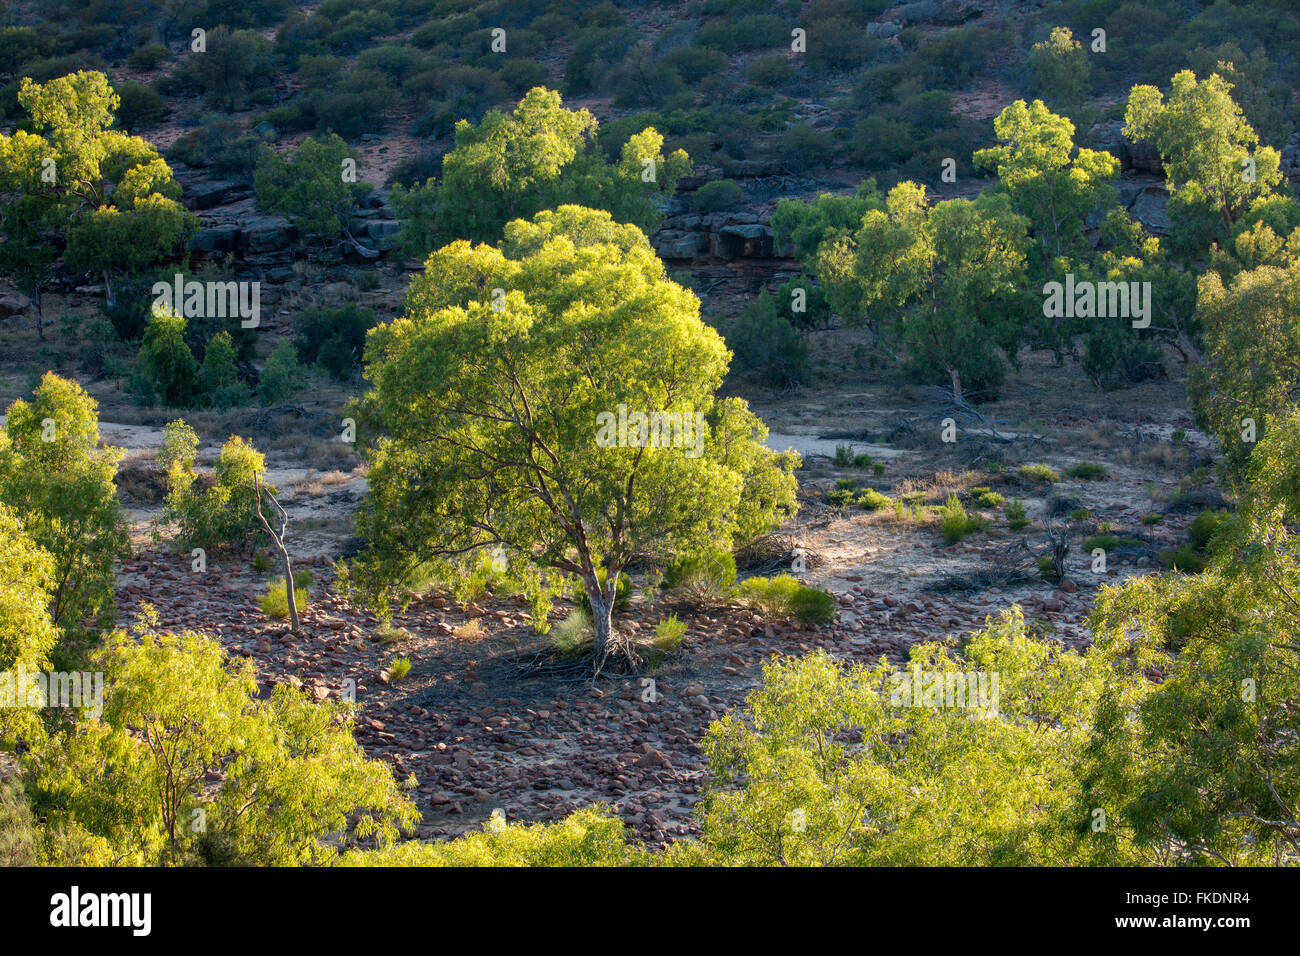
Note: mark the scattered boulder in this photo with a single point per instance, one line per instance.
(1151, 208)
(752, 241)
(14, 303)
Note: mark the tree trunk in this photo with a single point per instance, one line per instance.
(108, 290)
(956, 384)
(288, 588)
(602, 621)
(40, 315)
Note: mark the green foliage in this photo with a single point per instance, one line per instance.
(125, 789)
(334, 338)
(1049, 180)
(1252, 345)
(541, 590)
(718, 195)
(1086, 471)
(219, 374)
(1016, 518)
(873, 500)
(54, 474)
(540, 156)
(941, 278)
(589, 321)
(669, 633)
(592, 836)
(180, 444)
(1205, 172)
(706, 576)
(281, 376)
(27, 635)
(1059, 67)
(765, 343)
(274, 601)
(824, 766)
(1040, 473)
(223, 514)
(573, 633)
(311, 188)
(17, 829)
(954, 521)
(112, 197)
(166, 362)
(784, 597)
(398, 668)
(140, 107)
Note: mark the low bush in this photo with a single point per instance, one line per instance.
(274, 602)
(719, 195)
(1042, 473)
(1086, 471)
(572, 634)
(669, 633)
(1016, 518)
(955, 523)
(873, 500)
(706, 577)
(785, 597)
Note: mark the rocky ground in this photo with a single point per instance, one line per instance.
(480, 732)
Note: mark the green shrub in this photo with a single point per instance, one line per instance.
(1153, 518)
(281, 376)
(765, 343)
(1107, 542)
(842, 496)
(878, 467)
(1202, 528)
(955, 523)
(1086, 471)
(844, 456)
(718, 195)
(769, 70)
(147, 57)
(166, 362)
(223, 515)
(873, 500)
(333, 338)
(1184, 558)
(573, 633)
(219, 374)
(274, 602)
(751, 32)
(783, 596)
(398, 668)
(141, 106)
(705, 577)
(694, 63)
(1039, 473)
(986, 498)
(669, 633)
(1016, 518)
(812, 606)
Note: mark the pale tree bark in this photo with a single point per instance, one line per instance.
(277, 539)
